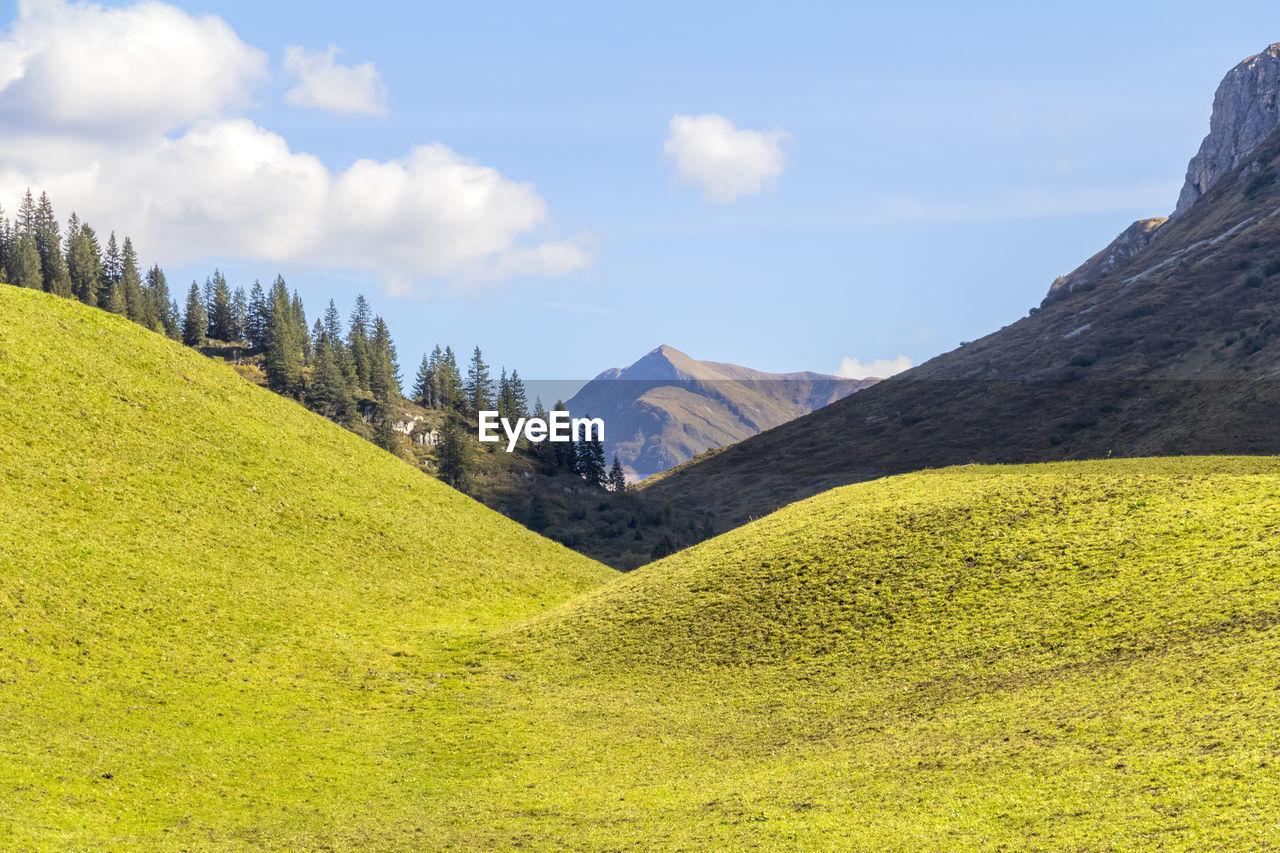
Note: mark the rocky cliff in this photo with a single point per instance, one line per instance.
(1246, 109)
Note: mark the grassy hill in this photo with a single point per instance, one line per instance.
(228, 624)
(222, 617)
(1074, 656)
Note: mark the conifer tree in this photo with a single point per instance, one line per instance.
(451, 393)
(453, 454)
(195, 323)
(300, 325)
(328, 393)
(505, 403)
(53, 266)
(424, 382)
(256, 322)
(358, 341)
(479, 387)
(23, 262)
(110, 274)
(283, 361)
(566, 455)
(519, 399)
(617, 477)
(590, 462)
(538, 520)
(137, 307)
(219, 308)
(385, 435)
(384, 378)
(84, 262)
(157, 287)
(239, 313)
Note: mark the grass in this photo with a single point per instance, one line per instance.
(227, 624)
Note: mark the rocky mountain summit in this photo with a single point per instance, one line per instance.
(1246, 109)
(668, 407)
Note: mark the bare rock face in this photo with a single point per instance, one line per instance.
(1246, 109)
(1131, 241)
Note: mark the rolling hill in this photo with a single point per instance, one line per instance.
(1068, 656)
(225, 623)
(1165, 342)
(223, 619)
(667, 408)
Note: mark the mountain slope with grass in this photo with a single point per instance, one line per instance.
(1166, 342)
(220, 614)
(1068, 656)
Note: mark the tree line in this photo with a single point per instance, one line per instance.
(347, 375)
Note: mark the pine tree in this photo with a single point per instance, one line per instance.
(358, 341)
(256, 324)
(84, 262)
(239, 314)
(195, 323)
(453, 454)
(591, 461)
(479, 387)
(328, 393)
(424, 382)
(137, 307)
(23, 262)
(157, 288)
(519, 399)
(451, 393)
(283, 361)
(300, 325)
(566, 455)
(384, 379)
(220, 310)
(505, 403)
(53, 266)
(111, 275)
(617, 477)
(385, 435)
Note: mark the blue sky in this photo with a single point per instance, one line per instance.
(942, 166)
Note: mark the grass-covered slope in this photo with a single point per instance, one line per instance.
(1074, 656)
(220, 615)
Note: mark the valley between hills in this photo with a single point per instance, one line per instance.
(1023, 596)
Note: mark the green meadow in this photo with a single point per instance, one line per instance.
(225, 623)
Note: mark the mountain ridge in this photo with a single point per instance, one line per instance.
(667, 407)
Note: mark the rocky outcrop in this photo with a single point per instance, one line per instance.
(1131, 241)
(1246, 109)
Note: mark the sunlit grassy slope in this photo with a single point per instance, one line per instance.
(220, 614)
(227, 624)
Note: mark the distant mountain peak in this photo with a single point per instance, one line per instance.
(1246, 109)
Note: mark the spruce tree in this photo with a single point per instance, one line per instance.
(519, 399)
(195, 324)
(157, 287)
(84, 262)
(53, 266)
(453, 454)
(300, 325)
(451, 393)
(617, 477)
(23, 262)
(138, 308)
(358, 342)
(110, 275)
(239, 314)
(283, 360)
(220, 310)
(505, 406)
(328, 393)
(385, 435)
(538, 520)
(384, 380)
(423, 383)
(479, 387)
(591, 461)
(256, 322)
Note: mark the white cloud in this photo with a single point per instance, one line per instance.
(138, 69)
(325, 84)
(726, 163)
(881, 368)
(190, 180)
